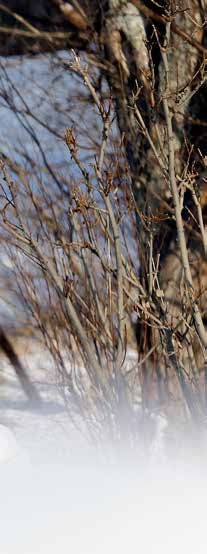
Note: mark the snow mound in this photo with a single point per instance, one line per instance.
(9, 449)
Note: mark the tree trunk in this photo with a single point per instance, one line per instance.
(167, 168)
(27, 385)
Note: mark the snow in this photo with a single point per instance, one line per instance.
(56, 496)
(8, 445)
(157, 449)
(43, 431)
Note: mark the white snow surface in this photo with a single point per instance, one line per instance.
(57, 498)
(44, 432)
(47, 431)
(9, 449)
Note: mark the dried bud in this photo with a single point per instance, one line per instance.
(74, 16)
(70, 140)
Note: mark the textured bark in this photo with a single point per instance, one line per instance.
(150, 185)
